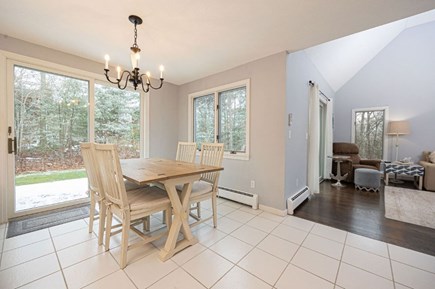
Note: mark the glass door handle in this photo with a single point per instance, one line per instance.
(12, 145)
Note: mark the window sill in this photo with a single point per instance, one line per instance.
(242, 157)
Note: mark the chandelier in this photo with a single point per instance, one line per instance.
(134, 77)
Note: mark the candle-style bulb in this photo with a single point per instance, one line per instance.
(162, 68)
(107, 58)
(118, 69)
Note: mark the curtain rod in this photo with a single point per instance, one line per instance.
(311, 83)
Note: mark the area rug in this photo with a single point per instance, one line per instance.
(410, 206)
(27, 224)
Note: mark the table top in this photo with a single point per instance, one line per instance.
(144, 171)
(340, 157)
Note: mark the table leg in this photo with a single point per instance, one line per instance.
(386, 179)
(338, 177)
(180, 207)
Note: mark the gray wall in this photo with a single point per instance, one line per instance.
(300, 70)
(267, 112)
(402, 77)
(163, 112)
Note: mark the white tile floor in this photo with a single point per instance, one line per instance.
(250, 249)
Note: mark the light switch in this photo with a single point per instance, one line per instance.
(289, 134)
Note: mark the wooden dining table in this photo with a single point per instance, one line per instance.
(170, 173)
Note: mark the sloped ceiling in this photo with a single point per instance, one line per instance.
(339, 60)
(194, 38)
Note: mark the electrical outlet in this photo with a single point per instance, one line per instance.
(252, 184)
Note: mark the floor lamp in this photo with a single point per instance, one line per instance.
(397, 128)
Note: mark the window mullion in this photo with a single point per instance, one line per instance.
(216, 117)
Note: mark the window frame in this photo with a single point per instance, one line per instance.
(215, 91)
(385, 109)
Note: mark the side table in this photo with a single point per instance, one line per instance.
(416, 171)
(338, 177)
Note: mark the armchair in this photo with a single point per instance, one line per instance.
(354, 161)
(429, 172)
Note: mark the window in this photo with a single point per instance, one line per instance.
(117, 119)
(221, 115)
(369, 132)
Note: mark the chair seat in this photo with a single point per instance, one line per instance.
(199, 188)
(147, 198)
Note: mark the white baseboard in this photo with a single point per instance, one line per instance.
(274, 211)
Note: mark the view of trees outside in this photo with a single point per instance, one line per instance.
(51, 119)
(369, 133)
(203, 121)
(232, 119)
(117, 119)
(231, 126)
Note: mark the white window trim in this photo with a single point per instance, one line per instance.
(386, 120)
(215, 91)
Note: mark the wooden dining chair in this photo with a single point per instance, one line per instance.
(96, 194)
(128, 207)
(186, 152)
(207, 187)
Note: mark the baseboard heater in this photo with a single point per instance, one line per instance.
(296, 199)
(240, 197)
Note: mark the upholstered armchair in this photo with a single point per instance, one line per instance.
(354, 161)
(429, 172)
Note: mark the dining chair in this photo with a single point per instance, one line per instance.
(127, 207)
(207, 187)
(96, 195)
(186, 152)
(95, 189)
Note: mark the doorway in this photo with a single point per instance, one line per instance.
(48, 117)
(48, 110)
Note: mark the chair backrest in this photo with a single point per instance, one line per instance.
(212, 155)
(90, 162)
(186, 152)
(111, 174)
(347, 149)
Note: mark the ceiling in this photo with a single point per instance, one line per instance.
(339, 60)
(194, 38)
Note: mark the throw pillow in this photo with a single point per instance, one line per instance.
(432, 157)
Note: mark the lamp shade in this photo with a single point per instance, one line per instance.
(398, 127)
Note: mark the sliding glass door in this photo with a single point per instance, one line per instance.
(50, 120)
(49, 114)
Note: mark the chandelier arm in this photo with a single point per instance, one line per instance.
(149, 81)
(126, 79)
(108, 78)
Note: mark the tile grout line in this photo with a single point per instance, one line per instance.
(290, 262)
(341, 260)
(58, 260)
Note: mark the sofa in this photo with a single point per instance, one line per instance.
(354, 161)
(429, 171)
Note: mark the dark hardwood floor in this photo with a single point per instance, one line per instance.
(362, 213)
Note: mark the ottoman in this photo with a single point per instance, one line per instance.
(367, 179)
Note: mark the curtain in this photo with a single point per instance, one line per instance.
(313, 140)
(328, 141)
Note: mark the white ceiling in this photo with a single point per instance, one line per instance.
(194, 38)
(339, 60)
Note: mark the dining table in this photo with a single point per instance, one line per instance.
(170, 173)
